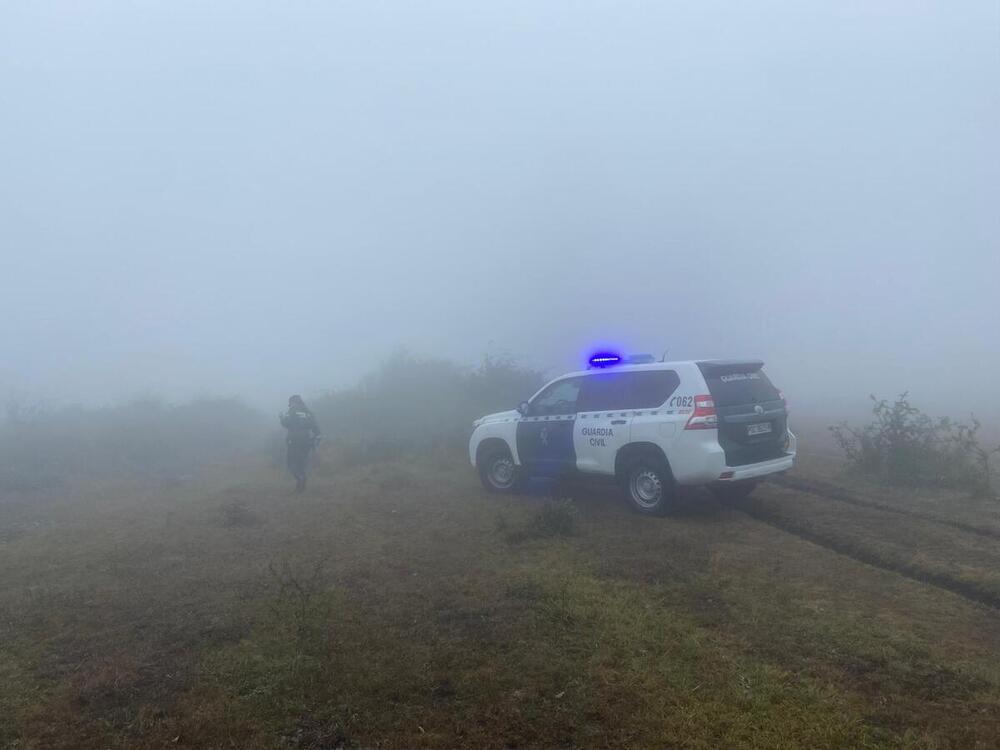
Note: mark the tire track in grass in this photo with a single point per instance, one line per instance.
(859, 553)
(833, 492)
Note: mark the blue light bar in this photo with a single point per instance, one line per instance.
(605, 359)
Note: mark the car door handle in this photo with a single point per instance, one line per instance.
(617, 421)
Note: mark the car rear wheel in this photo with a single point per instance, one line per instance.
(649, 487)
(497, 471)
(735, 491)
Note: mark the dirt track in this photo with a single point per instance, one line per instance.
(869, 554)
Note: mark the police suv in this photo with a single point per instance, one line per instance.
(652, 426)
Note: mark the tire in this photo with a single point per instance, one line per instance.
(734, 492)
(498, 472)
(649, 487)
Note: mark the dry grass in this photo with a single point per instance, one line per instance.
(389, 607)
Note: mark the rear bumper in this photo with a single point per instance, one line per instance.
(704, 462)
(762, 469)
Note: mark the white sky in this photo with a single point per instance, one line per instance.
(263, 198)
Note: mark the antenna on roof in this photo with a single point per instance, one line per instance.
(664, 357)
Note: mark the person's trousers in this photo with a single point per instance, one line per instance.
(298, 457)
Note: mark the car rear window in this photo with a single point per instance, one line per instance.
(738, 383)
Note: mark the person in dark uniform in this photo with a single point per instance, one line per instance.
(303, 436)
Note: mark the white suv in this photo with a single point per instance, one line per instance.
(653, 426)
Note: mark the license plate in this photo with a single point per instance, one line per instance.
(760, 428)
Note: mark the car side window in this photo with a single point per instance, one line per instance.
(558, 398)
(651, 388)
(606, 391)
(614, 391)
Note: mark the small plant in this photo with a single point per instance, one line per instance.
(393, 479)
(904, 446)
(557, 517)
(235, 513)
(300, 590)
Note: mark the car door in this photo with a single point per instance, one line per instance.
(545, 434)
(603, 419)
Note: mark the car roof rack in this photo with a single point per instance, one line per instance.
(639, 359)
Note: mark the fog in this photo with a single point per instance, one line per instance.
(256, 199)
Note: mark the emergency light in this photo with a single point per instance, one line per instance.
(605, 359)
(609, 359)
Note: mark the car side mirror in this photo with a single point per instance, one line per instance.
(523, 408)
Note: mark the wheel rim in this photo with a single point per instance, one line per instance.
(501, 472)
(646, 488)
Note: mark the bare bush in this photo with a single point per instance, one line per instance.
(904, 446)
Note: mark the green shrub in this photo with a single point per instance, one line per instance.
(408, 407)
(39, 445)
(415, 404)
(904, 446)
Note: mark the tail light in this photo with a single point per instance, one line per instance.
(784, 403)
(704, 417)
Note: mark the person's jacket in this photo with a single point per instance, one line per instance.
(301, 425)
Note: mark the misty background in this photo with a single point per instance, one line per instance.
(251, 199)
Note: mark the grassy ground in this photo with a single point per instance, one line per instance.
(396, 605)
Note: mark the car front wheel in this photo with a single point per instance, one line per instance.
(497, 471)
